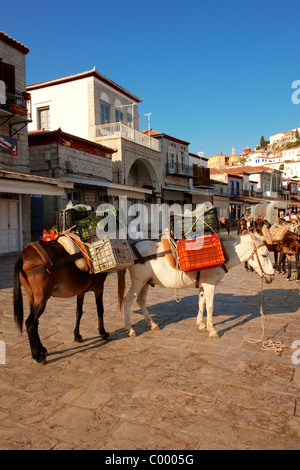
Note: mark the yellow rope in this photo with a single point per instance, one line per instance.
(267, 345)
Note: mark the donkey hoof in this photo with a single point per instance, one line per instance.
(104, 335)
(154, 326)
(214, 335)
(202, 327)
(78, 338)
(132, 333)
(41, 359)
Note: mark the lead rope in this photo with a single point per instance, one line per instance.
(269, 344)
(177, 268)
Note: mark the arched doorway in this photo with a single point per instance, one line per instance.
(142, 175)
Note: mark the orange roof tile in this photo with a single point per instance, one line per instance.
(13, 43)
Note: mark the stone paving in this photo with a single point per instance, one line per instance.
(168, 389)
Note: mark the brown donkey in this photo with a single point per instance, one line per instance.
(289, 246)
(47, 270)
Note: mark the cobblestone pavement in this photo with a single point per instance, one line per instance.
(169, 389)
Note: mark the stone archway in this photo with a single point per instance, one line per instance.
(142, 174)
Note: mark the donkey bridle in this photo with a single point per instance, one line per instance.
(255, 252)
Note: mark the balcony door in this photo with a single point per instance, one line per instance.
(7, 74)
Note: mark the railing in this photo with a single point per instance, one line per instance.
(118, 129)
(250, 192)
(18, 102)
(237, 192)
(179, 169)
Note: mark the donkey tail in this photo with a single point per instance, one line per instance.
(17, 294)
(121, 287)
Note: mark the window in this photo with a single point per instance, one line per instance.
(181, 160)
(104, 113)
(231, 187)
(118, 116)
(172, 160)
(129, 120)
(43, 118)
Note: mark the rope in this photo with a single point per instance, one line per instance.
(178, 271)
(267, 345)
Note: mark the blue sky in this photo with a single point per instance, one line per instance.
(216, 74)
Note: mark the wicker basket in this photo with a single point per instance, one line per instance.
(277, 232)
(109, 255)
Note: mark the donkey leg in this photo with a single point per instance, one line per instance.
(297, 266)
(128, 300)
(141, 300)
(280, 261)
(209, 292)
(79, 312)
(275, 260)
(100, 312)
(289, 264)
(200, 322)
(38, 351)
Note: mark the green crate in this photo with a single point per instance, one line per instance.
(180, 223)
(67, 219)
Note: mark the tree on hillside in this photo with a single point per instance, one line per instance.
(263, 142)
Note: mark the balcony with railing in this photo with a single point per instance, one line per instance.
(118, 129)
(15, 106)
(178, 169)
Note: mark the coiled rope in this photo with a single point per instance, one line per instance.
(268, 344)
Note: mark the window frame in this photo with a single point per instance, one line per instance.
(105, 113)
(39, 120)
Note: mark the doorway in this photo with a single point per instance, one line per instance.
(9, 226)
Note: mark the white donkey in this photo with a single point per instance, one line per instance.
(159, 271)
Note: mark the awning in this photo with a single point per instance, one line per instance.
(207, 191)
(132, 192)
(200, 198)
(201, 195)
(115, 189)
(220, 201)
(20, 183)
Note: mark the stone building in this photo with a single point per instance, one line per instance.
(83, 163)
(91, 106)
(179, 175)
(17, 185)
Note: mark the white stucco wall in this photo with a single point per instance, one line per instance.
(68, 103)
